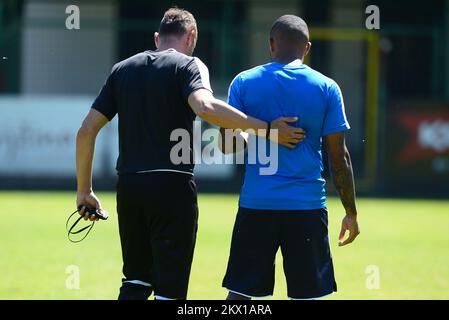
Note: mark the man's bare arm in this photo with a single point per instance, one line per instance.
(343, 178)
(341, 168)
(237, 144)
(218, 112)
(85, 147)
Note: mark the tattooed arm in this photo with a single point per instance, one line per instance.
(341, 168)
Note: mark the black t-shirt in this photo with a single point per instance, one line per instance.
(149, 92)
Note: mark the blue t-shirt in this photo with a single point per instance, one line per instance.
(276, 90)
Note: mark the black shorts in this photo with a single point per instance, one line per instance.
(304, 242)
(158, 215)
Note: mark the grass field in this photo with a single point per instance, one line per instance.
(407, 240)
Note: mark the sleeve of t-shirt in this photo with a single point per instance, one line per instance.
(104, 103)
(335, 118)
(194, 76)
(234, 94)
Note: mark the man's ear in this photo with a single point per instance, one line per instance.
(272, 46)
(191, 37)
(308, 46)
(156, 39)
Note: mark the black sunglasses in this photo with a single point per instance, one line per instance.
(88, 210)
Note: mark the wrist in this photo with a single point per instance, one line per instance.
(351, 212)
(262, 128)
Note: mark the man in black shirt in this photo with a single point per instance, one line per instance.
(154, 93)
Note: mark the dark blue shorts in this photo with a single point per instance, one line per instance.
(304, 242)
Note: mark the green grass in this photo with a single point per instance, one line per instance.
(408, 240)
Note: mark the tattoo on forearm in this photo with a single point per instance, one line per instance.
(344, 183)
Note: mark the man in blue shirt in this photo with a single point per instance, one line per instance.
(288, 209)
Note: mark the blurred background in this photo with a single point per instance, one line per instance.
(395, 81)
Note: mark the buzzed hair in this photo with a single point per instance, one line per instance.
(290, 30)
(176, 22)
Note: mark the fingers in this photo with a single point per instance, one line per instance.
(100, 210)
(287, 136)
(292, 142)
(342, 233)
(89, 201)
(282, 123)
(295, 135)
(297, 138)
(291, 139)
(348, 241)
(82, 211)
(288, 119)
(86, 216)
(352, 235)
(90, 217)
(299, 131)
(290, 145)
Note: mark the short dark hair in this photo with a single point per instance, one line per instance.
(291, 30)
(176, 22)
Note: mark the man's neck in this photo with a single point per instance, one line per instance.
(170, 44)
(291, 60)
(173, 47)
(163, 48)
